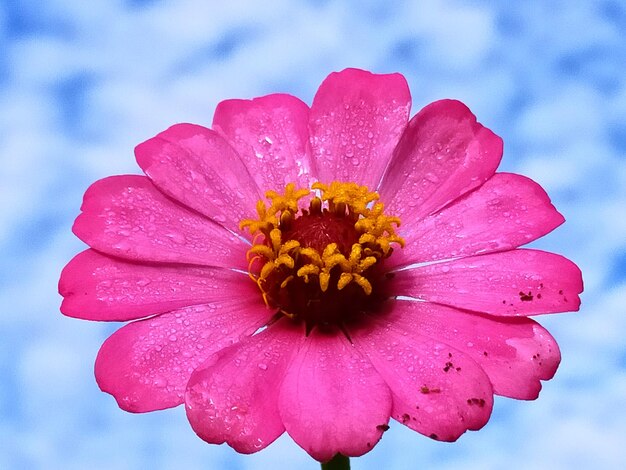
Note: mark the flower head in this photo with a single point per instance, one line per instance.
(321, 270)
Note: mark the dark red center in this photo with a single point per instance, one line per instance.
(306, 301)
(318, 230)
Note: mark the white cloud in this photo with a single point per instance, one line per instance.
(572, 114)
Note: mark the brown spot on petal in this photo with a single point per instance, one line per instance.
(526, 297)
(405, 418)
(476, 401)
(434, 436)
(382, 427)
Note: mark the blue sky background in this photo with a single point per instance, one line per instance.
(82, 82)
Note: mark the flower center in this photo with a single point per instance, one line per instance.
(321, 264)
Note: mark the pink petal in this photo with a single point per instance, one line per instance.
(437, 390)
(518, 282)
(332, 400)
(146, 364)
(197, 167)
(271, 135)
(356, 121)
(506, 212)
(443, 154)
(98, 287)
(127, 216)
(233, 396)
(516, 353)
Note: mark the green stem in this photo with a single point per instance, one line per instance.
(338, 462)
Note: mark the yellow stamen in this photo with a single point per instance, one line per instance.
(287, 261)
(307, 270)
(313, 255)
(262, 250)
(344, 280)
(284, 260)
(285, 282)
(324, 280)
(364, 283)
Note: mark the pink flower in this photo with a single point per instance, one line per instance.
(321, 311)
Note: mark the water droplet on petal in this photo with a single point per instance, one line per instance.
(176, 237)
(433, 178)
(159, 382)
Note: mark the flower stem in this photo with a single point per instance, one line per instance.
(338, 462)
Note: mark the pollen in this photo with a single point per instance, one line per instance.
(317, 252)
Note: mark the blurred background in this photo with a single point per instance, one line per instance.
(83, 82)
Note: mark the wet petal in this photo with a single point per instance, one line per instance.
(356, 121)
(198, 168)
(146, 364)
(271, 135)
(506, 212)
(517, 282)
(516, 353)
(332, 399)
(99, 287)
(442, 154)
(437, 390)
(233, 396)
(127, 216)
